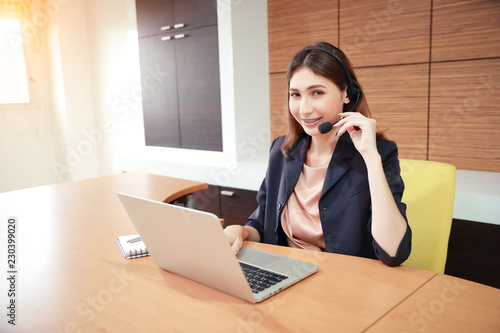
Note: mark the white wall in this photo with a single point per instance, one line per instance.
(116, 79)
(250, 64)
(72, 91)
(96, 85)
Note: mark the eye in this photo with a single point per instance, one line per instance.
(317, 93)
(294, 94)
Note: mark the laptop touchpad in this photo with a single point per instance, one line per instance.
(256, 257)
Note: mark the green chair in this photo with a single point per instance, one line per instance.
(429, 195)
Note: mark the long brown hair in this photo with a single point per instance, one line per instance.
(320, 63)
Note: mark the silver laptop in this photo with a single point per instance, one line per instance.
(193, 244)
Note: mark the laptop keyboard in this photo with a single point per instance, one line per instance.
(260, 279)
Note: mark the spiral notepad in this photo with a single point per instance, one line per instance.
(132, 246)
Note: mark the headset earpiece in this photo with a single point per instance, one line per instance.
(354, 94)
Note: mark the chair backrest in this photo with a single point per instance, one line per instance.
(429, 195)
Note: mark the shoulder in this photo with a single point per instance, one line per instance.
(387, 147)
(296, 152)
(386, 144)
(277, 142)
(276, 156)
(297, 147)
(388, 151)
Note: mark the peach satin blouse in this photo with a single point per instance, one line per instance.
(300, 217)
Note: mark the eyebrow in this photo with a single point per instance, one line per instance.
(309, 88)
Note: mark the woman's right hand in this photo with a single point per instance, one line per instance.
(236, 234)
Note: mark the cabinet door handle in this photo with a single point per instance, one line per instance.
(227, 193)
(164, 38)
(166, 27)
(179, 36)
(178, 25)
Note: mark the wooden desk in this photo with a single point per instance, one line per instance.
(72, 276)
(445, 304)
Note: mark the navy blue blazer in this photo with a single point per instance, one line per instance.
(344, 204)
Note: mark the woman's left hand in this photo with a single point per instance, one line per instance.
(361, 129)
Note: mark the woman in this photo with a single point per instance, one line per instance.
(340, 191)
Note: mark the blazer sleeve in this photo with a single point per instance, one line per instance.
(258, 217)
(392, 170)
(256, 220)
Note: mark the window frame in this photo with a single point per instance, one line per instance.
(23, 16)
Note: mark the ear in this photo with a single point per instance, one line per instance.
(345, 98)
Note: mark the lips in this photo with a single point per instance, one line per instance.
(310, 122)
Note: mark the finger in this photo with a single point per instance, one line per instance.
(230, 237)
(346, 120)
(348, 123)
(342, 120)
(346, 116)
(350, 113)
(236, 245)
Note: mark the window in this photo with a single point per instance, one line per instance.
(13, 77)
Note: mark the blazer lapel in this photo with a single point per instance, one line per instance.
(292, 169)
(339, 164)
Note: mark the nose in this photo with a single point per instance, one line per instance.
(306, 106)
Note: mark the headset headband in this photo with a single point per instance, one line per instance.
(353, 90)
(351, 87)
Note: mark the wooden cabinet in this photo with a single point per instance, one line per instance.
(153, 16)
(162, 16)
(159, 92)
(208, 200)
(198, 87)
(237, 205)
(179, 60)
(232, 204)
(195, 13)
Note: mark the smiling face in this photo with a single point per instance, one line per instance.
(314, 99)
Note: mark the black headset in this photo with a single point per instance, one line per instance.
(353, 90)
